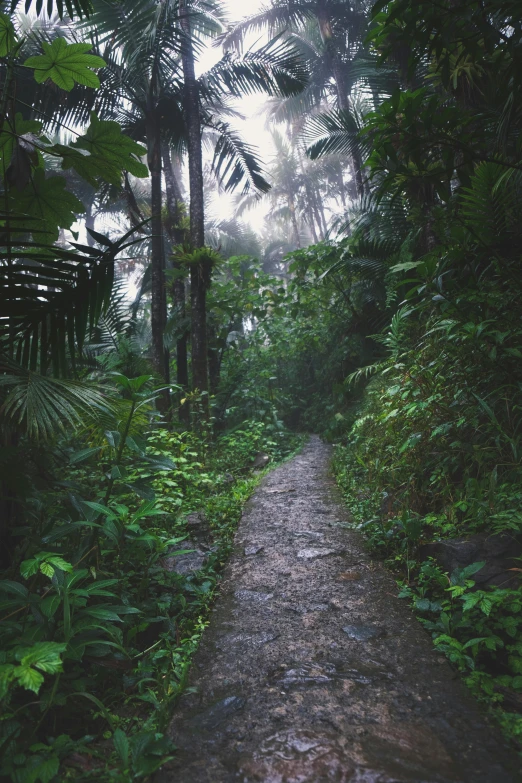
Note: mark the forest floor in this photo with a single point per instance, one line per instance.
(313, 670)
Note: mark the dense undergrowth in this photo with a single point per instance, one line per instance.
(434, 455)
(97, 626)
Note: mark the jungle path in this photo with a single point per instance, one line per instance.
(312, 670)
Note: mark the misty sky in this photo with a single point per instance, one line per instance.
(252, 128)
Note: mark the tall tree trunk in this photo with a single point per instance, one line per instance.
(311, 223)
(315, 209)
(176, 236)
(321, 213)
(200, 272)
(214, 361)
(293, 217)
(340, 182)
(309, 202)
(318, 219)
(158, 305)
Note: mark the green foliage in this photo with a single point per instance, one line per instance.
(52, 206)
(7, 35)
(110, 153)
(66, 64)
(308, 335)
(90, 604)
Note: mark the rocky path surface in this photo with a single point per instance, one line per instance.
(312, 670)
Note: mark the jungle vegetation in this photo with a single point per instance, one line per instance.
(151, 348)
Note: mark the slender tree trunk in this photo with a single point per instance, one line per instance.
(322, 215)
(309, 202)
(311, 223)
(340, 181)
(175, 202)
(176, 236)
(314, 199)
(214, 361)
(319, 224)
(200, 272)
(158, 306)
(291, 207)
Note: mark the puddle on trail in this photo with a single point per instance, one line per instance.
(303, 675)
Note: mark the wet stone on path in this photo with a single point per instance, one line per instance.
(363, 633)
(312, 554)
(311, 670)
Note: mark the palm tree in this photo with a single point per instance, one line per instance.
(201, 270)
(330, 35)
(149, 86)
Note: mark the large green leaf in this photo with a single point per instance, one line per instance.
(66, 64)
(110, 153)
(334, 133)
(18, 132)
(7, 35)
(44, 655)
(29, 678)
(47, 203)
(275, 69)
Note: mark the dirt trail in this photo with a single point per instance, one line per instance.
(312, 670)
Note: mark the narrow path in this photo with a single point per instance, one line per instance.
(312, 670)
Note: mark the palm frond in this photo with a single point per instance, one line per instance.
(52, 297)
(74, 8)
(335, 132)
(235, 162)
(41, 406)
(276, 69)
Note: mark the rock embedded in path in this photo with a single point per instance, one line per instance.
(362, 633)
(313, 554)
(198, 528)
(314, 534)
(255, 549)
(246, 640)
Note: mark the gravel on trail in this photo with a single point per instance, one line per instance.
(312, 670)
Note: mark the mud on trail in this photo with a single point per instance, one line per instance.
(312, 670)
